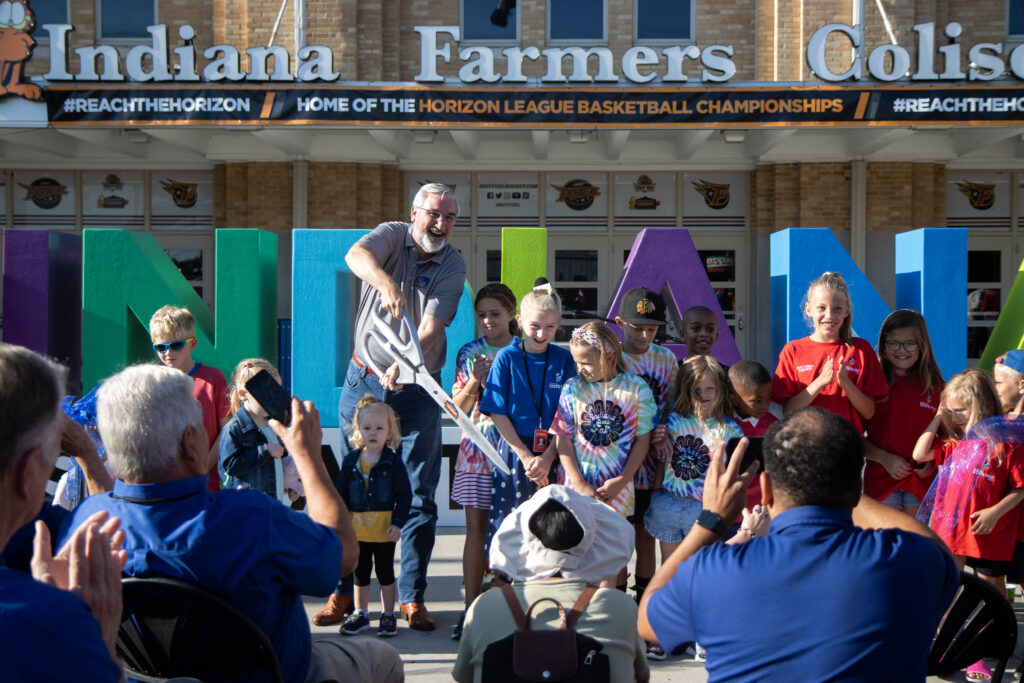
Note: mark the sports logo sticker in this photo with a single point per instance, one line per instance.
(577, 194)
(113, 185)
(45, 193)
(716, 195)
(184, 195)
(980, 195)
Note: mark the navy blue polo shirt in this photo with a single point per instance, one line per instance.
(252, 550)
(49, 634)
(815, 599)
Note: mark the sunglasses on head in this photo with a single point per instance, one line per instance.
(172, 346)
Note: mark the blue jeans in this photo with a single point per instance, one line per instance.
(420, 420)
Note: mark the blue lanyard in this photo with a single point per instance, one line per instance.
(539, 405)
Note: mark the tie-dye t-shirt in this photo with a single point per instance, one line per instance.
(693, 444)
(471, 459)
(658, 367)
(603, 419)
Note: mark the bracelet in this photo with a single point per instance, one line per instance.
(749, 531)
(466, 392)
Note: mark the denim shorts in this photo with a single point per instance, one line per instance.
(669, 517)
(900, 499)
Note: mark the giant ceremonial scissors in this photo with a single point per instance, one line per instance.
(411, 370)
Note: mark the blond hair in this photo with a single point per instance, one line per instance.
(244, 371)
(694, 371)
(976, 390)
(370, 402)
(541, 299)
(836, 283)
(172, 322)
(610, 360)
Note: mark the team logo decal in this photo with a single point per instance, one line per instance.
(981, 197)
(44, 192)
(112, 184)
(643, 203)
(716, 195)
(183, 194)
(16, 23)
(578, 195)
(643, 184)
(645, 306)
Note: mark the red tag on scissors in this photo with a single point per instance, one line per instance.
(540, 440)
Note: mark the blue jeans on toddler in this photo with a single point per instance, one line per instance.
(420, 420)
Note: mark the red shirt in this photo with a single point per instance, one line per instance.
(899, 420)
(801, 362)
(755, 427)
(211, 390)
(976, 476)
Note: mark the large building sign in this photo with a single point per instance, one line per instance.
(593, 107)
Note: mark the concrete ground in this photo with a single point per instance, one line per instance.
(429, 656)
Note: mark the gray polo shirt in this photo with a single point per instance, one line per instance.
(432, 287)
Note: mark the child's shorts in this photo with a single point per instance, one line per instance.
(899, 499)
(669, 517)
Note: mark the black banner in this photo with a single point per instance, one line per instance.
(574, 107)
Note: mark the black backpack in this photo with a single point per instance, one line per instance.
(559, 654)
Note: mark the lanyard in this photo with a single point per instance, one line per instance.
(539, 405)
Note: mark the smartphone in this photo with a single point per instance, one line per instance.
(754, 453)
(270, 395)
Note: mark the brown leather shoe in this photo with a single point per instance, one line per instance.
(337, 608)
(418, 617)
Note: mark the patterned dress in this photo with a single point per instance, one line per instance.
(472, 483)
(693, 444)
(603, 419)
(658, 367)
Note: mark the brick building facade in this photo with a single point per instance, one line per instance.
(865, 183)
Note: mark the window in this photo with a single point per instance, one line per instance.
(1015, 18)
(477, 24)
(657, 20)
(577, 21)
(49, 12)
(125, 19)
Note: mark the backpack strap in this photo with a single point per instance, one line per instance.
(513, 605)
(580, 605)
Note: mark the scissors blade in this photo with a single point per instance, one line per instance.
(427, 383)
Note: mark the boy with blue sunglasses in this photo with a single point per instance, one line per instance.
(173, 331)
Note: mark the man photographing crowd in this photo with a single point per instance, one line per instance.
(841, 588)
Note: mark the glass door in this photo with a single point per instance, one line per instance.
(991, 268)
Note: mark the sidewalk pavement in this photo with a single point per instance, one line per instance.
(429, 656)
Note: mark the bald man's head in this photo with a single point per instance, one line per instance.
(815, 457)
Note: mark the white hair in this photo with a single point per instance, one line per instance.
(142, 413)
(31, 388)
(438, 189)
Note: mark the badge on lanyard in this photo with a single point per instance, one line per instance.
(540, 440)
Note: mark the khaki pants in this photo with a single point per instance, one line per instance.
(355, 660)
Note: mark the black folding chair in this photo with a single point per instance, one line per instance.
(171, 629)
(980, 623)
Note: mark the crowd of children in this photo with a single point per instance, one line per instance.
(617, 418)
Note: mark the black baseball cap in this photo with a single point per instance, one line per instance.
(641, 306)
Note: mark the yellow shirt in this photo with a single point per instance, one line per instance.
(371, 526)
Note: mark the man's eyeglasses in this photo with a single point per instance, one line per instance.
(172, 346)
(434, 215)
(894, 345)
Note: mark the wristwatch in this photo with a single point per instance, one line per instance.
(712, 522)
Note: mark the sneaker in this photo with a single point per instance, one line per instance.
(388, 625)
(654, 651)
(357, 622)
(699, 653)
(457, 629)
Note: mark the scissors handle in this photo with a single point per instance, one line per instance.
(407, 354)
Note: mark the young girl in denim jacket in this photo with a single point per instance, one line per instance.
(249, 450)
(375, 486)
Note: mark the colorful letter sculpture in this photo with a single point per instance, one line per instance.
(931, 276)
(524, 258)
(1009, 330)
(324, 302)
(43, 295)
(127, 276)
(666, 259)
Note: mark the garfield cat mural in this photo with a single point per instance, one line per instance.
(16, 23)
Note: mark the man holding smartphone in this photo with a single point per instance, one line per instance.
(871, 583)
(407, 267)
